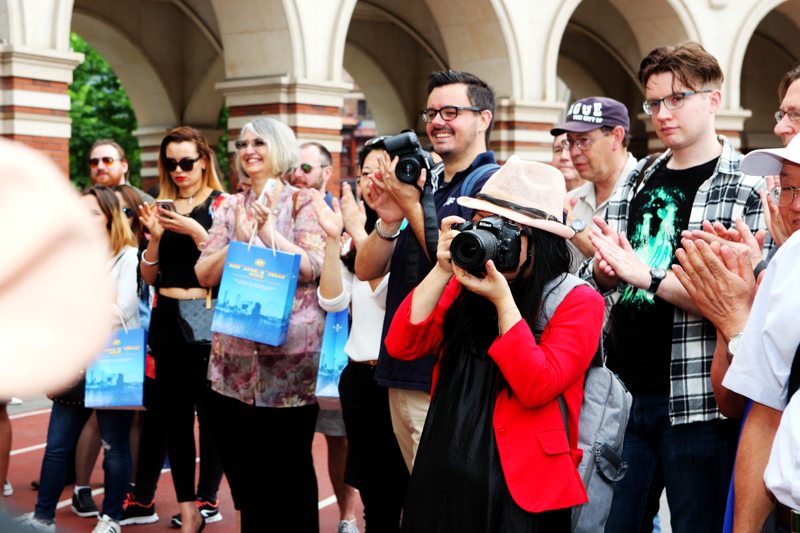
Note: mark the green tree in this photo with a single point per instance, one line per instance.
(100, 110)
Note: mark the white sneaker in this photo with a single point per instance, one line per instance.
(107, 525)
(8, 490)
(347, 527)
(28, 523)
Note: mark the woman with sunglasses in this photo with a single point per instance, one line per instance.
(261, 403)
(69, 414)
(189, 180)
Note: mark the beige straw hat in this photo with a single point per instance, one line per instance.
(526, 192)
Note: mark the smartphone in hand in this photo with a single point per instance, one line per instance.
(166, 205)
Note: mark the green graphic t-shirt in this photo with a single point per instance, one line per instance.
(639, 344)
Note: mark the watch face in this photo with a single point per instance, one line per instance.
(658, 273)
(733, 343)
(578, 225)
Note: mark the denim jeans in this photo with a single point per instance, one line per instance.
(693, 461)
(66, 423)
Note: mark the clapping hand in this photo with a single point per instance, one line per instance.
(772, 217)
(329, 219)
(740, 239)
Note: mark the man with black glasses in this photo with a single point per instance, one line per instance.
(108, 165)
(597, 138)
(658, 341)
(459, 118)
(315, 170)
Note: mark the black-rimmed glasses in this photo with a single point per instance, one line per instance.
(671, 102)
(447, 113)
(186, 164)
(783, 196)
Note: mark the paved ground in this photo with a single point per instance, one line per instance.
(29, 424)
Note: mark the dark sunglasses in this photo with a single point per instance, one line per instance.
(308, 167)
(257, 143)
(128, 212)
(186, 164)
(95, 161)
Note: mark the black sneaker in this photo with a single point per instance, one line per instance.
(83, 504)
(208, 510)
(134, 512)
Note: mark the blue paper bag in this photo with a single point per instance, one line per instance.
(256, 294)
(332, 360)
(115, 380)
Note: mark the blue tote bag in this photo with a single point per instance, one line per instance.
(256, 293)
(115, 380)
(332, 360)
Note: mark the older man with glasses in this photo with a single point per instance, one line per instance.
(597, 138)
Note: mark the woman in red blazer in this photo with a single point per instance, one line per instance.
(494, 454)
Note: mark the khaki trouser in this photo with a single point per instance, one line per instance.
(409, 409)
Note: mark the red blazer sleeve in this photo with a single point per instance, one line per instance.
(539, 373)
(410, 341)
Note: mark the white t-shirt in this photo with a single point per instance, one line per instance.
(760, 370)
(782, 475)
(367, 310)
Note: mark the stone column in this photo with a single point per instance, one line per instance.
(35, 101)
(523, 129)
(311, 109)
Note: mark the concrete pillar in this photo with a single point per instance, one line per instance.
(35, 101)
(523, 129)
(311, 109)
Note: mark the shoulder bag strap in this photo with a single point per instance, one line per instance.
(652, 158)
(469, 182)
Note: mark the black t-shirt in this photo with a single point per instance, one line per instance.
(177, 253)
(639, 343)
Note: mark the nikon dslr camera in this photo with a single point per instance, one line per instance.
(492, 238)
(412, 157)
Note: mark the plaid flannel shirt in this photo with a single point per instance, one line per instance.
(726, 195)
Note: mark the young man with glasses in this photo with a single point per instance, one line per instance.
(108, 165)
(315, 169)
(657, 340)
(597, 138)
(458, 118)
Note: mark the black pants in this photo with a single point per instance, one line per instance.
(266, 453)
(380, 471)
(180, 381)
(153, 453)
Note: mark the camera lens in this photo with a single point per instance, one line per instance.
(407, 170)
(472, 248)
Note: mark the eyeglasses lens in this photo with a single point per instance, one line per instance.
(128, 212)
(95, 162)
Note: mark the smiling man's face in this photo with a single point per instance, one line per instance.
(452, 138)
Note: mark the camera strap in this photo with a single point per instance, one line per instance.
(413, 248)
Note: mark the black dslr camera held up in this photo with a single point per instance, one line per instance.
(492, 238)
(412, 157)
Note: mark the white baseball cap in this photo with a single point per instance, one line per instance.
(769, 162)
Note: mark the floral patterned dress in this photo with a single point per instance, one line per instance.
(259, 374)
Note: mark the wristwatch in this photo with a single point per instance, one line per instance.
(733, 345)
(577, 226)
(382, 235)
(657, 275)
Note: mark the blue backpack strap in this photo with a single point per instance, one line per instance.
(469, 182)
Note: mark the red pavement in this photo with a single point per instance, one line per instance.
(31, 431)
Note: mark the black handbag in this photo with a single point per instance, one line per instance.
(72, 394)
(195, 317)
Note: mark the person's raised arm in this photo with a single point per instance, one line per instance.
(149, 219)
(230, 223)
(373, 259)
(330, 281)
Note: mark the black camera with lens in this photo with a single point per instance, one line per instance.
(413, 158)
(492, 238)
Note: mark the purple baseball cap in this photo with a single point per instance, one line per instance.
(592, 113)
